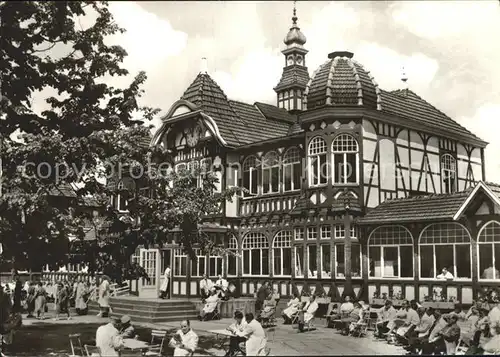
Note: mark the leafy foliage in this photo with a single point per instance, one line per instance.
(87, 128)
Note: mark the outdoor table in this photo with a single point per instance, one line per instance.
(220, 334)
(133, 344)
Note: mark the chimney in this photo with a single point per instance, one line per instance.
(204, 65)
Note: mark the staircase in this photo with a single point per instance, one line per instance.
(149, 310)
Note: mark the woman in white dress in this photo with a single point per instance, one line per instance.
(165, 286)
(80, 303)
(104, 297)
(293, 307)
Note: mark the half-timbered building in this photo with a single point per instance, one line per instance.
(350, 189)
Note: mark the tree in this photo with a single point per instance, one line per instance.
(87, 126)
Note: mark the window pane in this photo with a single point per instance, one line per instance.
(194, 267)
(253, 187)
(338, 160)
(211, 268)
(219, 265)
(390, 262)
(356, 260)
(340, 260)
(231, 265)
(246, 181)
(497, 261)
(463, 260)
(375, 262)
(277, 261)
(287, 261)
(265, 262)
(406, 253)
(299, 261)
(265, 180)
(256, 261)
(275, 179)
(427, 261)
(325, 261)
(351, 167)
(246, 262)
(444, 258)
(313, 163)
(486, 261)
(313, 267)
(287, 177)
(297, 172)
(184, 266)
(324, 169)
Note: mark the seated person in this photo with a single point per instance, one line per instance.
(307, 313)
(494, 318)
(459, 312)
(108, 338)
(492, 347)
(269, 306)
(488, 273)
(347, 322)
(444, 340)
(345, 309)
(127, 330)
(423, 329)
(400, 317)
(411, 322)
(385, 314)
(469, 328)
(210, 305)
(364, 306)
(293, 307)
(481, 334)
(206, 286)
(221, 285)
(236, 328)
(445, 275)
(185, 340)
(334, 314)
(255, 335)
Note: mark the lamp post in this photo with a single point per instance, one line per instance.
(348, 291)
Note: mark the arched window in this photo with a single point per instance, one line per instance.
(345, 159)
(271, 173)
(250, 175)
(255, 249)
(390, 252)
(318, 166)
(489, 251)
(232, 260)
(121, 197)
(445, 245)
(292, 170)
(282, 254)
(448, 173)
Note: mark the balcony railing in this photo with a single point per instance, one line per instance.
(263, 205)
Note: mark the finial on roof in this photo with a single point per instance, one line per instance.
(294, 17)
(404, 79)
(294, 37)
(204, 65)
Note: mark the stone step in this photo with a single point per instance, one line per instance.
(147, 302)
(156, 307)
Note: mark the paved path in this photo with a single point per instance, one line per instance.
(286, 342)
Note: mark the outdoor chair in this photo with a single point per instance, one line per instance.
(156, 349)
(332, 310)
(361, 327)
(76, 343)
(93, 351)
(270, 334)
(214, 315)
(462, 347)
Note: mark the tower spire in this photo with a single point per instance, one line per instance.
(294, 17)
(404, 79)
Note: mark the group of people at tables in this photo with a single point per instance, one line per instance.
(426, 330)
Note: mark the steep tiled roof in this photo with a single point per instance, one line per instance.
(341, 82)
(293, 76)
(239, 123)
(272, 112)
(257, 127)
(210, 98)
(420, 208)
(408, 105)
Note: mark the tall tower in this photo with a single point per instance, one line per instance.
(293, 82)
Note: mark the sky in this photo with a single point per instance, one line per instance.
(450, 50)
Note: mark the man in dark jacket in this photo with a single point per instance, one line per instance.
(262, 294)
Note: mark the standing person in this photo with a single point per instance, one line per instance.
(185, 340)
(165, 286)
(40, 301)
(62, 304)
(18, 289)
(104, 297)
(30, 299)
(80, 298)
(5, 310)
(262, 294)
